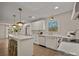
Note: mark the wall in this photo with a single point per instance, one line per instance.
(65, 24)
(3, 31)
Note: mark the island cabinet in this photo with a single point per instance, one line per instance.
(20, 46)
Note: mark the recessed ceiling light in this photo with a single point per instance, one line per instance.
(56, 7)
(31, 16)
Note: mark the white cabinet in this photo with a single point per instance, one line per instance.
(42, 41)
(20, 48)
(38, 25)
(52, 42)
(36, 39)
(20, 45)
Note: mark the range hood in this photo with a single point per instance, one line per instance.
(75, 13)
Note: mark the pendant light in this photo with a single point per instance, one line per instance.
(14, 25)
(20, 23)
(51, 18)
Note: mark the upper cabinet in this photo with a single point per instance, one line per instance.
(38, 25)
(75, 13)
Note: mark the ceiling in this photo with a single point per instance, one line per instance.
(36, 9)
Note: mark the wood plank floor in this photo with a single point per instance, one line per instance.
(3, 47)
(37, 50)
(42, 51)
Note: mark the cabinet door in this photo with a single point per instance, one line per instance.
(42, 41)
(38, 25)
(12, 49)
(52, 42)
(35, 26)
(36, 39)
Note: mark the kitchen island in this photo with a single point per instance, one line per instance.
(20, 45)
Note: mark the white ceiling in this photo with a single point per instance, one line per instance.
(37, 9)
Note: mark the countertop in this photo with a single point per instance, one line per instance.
(19, 37)
(59, 36)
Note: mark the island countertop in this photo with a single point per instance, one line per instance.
(20, 37)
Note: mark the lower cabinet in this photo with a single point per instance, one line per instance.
(20, 47)
(42, 41)
(36, 39)
(12, 48)
(48, 41)
(52, 42)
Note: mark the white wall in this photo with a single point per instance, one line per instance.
(65, 24)
(3, 31)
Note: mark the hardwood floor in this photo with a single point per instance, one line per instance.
(42, 51)
(3, 47)
(37, 50)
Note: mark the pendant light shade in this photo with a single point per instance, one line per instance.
(51, 18)
(14, 26)
(20, 23)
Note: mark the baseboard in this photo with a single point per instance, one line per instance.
(42, 46)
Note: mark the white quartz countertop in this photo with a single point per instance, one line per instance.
(60, 36)
(20, 37)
